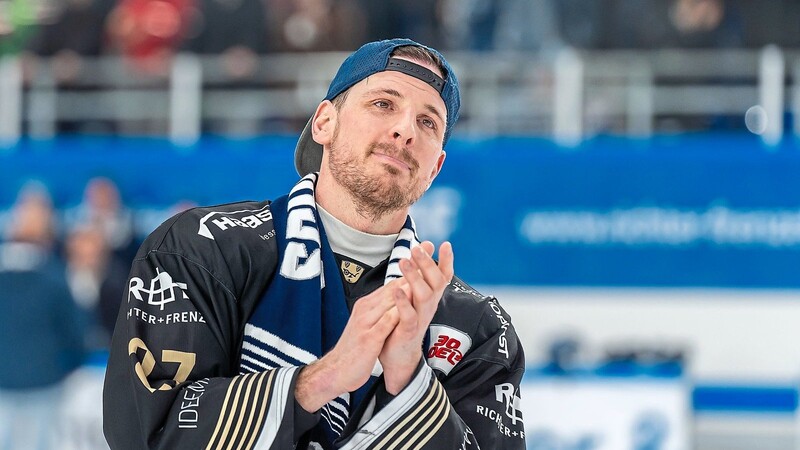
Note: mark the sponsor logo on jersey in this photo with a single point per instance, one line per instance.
(168, 319)
(188, 416)
(162, 290)
(502, 342)
(246, 218)
(351, 271)
(448, 346)
(467, 439)
(462, 288)
(507, 395)
(508, 398)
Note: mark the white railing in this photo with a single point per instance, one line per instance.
(569, 95)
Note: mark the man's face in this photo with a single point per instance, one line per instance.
(386, 147)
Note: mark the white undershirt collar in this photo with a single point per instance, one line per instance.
(369, 249)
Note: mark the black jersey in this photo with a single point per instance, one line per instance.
(173, 377)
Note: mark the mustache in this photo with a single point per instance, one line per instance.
(403, 154)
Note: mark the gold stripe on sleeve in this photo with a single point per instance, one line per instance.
(233, 410)
(435, 407)
(435, 428)
(222, 412)
(264, 404)
(256, 397)
(242, 410)
(387, 439)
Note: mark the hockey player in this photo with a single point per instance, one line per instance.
(319, 320)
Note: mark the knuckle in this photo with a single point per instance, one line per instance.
(360, 321)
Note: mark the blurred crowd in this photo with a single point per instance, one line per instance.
(147, 34)
(62, 280)
(87, 248)
(149, 30)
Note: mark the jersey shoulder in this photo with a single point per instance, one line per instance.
(232, 240)
(247, 221)
(469, 322)
(464, 305)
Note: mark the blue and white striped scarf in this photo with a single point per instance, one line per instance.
(303, 311)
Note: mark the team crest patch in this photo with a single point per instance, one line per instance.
(351, 271)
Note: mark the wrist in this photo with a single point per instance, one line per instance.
(315, 386)
(397, 377)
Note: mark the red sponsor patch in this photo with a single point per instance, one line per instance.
(447, 348)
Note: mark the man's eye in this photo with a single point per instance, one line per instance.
(429, 123)
(382, 104)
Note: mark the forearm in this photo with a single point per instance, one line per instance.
(314, 387)
(245, 409)
(396, 378)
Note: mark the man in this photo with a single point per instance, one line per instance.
(41, 326)
(319, 320)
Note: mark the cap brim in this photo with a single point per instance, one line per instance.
(307, 154)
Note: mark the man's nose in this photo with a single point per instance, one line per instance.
(404, 130)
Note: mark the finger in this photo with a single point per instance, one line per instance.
(446, 259)
(406, 288)
(428, 268)
(386, 324)
(406, 312)
(369, 309)
(420, 289)
(428, 247)
(401, 283)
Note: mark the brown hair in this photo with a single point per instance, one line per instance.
(421, 54)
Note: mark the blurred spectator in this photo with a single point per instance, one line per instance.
(769, 22)
(221, 25)
(527, 25)
(17, 21)
(583, 23)
(471, 24)
(32, 218)
(523, 25)
(71, 33)
(416, 19)
(75, 26)
(234, 29)
(307, 26)
(705, 24)
(149, 31)
(650, 24)
(40, 327)
(323, 25)
(482, 22)
(102, 208)
(96, 281)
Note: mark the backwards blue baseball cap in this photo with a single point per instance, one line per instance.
(368, 60)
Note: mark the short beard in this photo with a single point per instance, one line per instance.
(373, 198)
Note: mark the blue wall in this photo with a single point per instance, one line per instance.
(691, 210)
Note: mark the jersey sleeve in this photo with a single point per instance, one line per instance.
(172, 379)
(475, 406)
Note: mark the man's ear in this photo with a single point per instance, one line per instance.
(324, 123)
(437, 168)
